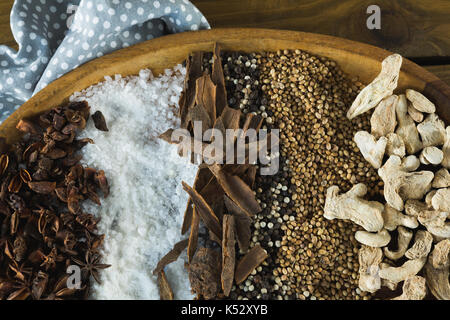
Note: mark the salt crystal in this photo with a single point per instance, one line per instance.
(142, 216)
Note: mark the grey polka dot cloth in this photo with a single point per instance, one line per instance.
(56, 36)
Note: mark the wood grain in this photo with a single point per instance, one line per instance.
(285, 14)
(356, 59)
(441, 71)
(413, 28)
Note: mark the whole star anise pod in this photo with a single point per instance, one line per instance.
(91, 266)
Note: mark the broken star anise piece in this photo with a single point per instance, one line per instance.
(60, 290)
(102, 182)
(15, 184)
(25, 175)
(19, 248)
(4, 161)
(39, 285)
(22, 293)
(51, 259)
(99, 121)
(27, 127)
(44, 187)
(87, 220)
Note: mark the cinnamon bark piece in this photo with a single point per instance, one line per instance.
(249, 262)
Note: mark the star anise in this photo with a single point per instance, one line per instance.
(66, 242)
(68, 220)
(60, 290)
(5, 249)
(94, 241)
(88, 221)
(47, 219)
(42, 222)
(21, 272)
(19, 248)
(6, 287)
(91, 266)
(16, 202)
(51, 259)
(22, 293)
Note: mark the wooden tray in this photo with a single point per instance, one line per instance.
(357, 59)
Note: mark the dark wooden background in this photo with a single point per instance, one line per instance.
(417, 29)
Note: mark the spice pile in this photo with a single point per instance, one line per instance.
(44, 230)
(423, 195)
(308, 96)
(242, 75)
(304, 96)
(308, 256)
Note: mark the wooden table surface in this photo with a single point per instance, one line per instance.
(417, 29)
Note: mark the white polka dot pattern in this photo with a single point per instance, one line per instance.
(56, 36)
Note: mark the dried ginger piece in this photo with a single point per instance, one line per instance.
(414, 288)
(406, 128)
(369, 259)
(437, 270)
(383, 120)
(415, 114)
(381, 87)
(371, 148)
(420, 102)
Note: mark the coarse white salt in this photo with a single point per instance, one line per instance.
(143, 214)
